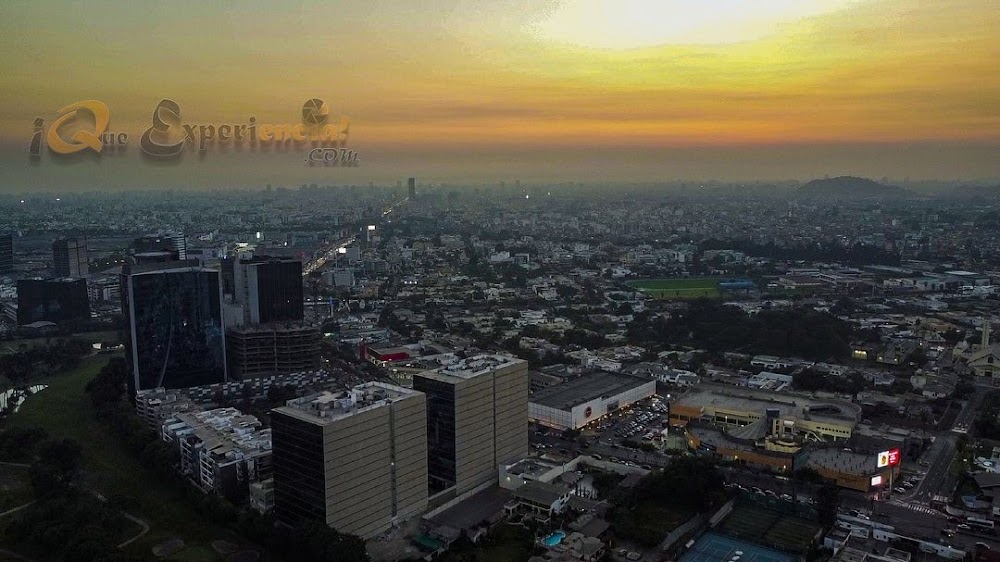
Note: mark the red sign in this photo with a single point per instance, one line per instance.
(588, 412)
(888, 458)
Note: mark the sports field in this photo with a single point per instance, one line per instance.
(713, 547)
(679, 288)
(764, 526)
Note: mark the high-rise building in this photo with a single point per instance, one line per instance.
(6, 253)
(411, 185)
(270, 289)
(355, 460)
(271, 349)
(69, 257)
(477, 419)
(151, 246)
(52, 300)
(176, 337)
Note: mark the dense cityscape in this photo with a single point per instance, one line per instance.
(500, 281)
(503, 372)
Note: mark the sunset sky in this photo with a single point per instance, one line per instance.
(483, 91)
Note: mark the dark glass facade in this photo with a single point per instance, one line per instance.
(298, 469)
(275, 290)
(52, 300)
(175, 325)
(440, 432)
(6, 253)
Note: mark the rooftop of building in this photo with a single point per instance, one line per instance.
(326, 407)
(707, 395)
(274, 327)
(531, 468)
(585, 388)
(843, 460)
(464, 369)
(226, 432)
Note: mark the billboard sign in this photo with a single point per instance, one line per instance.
(888, 458)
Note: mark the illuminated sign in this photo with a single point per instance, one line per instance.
(888, 458)
(876, 480)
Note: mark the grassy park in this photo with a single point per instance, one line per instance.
(679, 288)
(64, 410)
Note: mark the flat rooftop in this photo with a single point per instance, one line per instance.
(844, 461)
(566, 395)
(747, 399)
(327, 407)
(470, 367)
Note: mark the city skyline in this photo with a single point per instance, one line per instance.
(475, 92)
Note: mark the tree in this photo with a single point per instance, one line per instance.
(57, 467)
(827, 503)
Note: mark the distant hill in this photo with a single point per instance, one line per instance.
(850, 187)
(977, 192)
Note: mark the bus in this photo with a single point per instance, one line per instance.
(981, 525)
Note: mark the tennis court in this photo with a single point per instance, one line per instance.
(712, 547)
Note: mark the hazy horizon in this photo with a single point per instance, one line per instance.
(461, 91)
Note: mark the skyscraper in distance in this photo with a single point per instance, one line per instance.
(176, 337)
(173, 243)
(52, 300)
(69, 257)
(411, 185)
(6, 253)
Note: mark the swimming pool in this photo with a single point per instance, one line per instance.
(554, 538)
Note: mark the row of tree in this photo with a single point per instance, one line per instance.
(28, 364)
(797, 332)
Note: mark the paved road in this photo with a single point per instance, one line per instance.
(938, 457)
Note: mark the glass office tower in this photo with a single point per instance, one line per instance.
(175, 323)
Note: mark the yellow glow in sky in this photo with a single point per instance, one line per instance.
(559, 89)
(624, 24)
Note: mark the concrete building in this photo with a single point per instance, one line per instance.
(271, 349)
(849, 469)
(577, 402)
(221, 450)
(356, 460)
(757, 414)
(985, 362)
(475, 420)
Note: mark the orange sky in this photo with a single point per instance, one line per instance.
(454, 90)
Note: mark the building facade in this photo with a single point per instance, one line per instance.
(355, 460)
(69, 257)
(52, 300)
(271, 349)
(269, 289)
(475, 420)
(176, 338)
(577, 402)
(6, 253)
